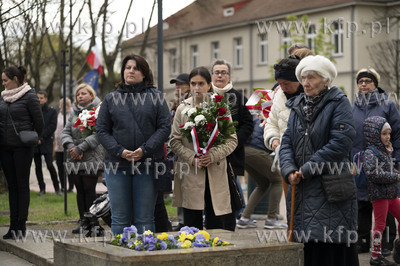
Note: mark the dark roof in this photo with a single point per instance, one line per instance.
(208, 14)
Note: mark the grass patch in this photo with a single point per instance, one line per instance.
(43, 209)
(50, 207)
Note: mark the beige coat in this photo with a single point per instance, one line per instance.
(278, 118)
(189, 189)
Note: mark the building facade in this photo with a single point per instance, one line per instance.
(250, 34)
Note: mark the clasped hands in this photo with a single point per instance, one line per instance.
(135, 155)
(202, 161)
(74, 154)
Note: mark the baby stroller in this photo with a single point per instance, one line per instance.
(101, 208)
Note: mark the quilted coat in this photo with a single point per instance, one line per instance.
(382, 182)
(327, 138)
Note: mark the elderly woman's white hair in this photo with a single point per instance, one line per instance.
(318, 63)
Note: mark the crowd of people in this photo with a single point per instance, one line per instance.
(311, 123)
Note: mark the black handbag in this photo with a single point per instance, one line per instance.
(339, 187)
(27, 137)
(236, 198)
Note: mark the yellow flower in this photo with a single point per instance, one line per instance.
(187, 244)
(190, 236)
(148, 232)
(224, 243)
(163, 236)
(215, 241)
(204, 233)
(182, 237)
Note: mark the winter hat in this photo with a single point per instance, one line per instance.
(318, 63)
(369, 73)
(372, 127)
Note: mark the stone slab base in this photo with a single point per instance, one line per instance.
(246, 249)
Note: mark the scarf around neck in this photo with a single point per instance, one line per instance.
(222, 91)
(12, 95)
(311, 103)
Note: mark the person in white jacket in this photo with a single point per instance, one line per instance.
(288, 87)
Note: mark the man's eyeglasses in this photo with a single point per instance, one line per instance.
(222, 73)
(366, 81)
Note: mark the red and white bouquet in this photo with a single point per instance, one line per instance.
(209, 125)
(86, 121)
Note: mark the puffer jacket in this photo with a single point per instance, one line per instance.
(26, 114)
(375, 103)
(382, 182)
(133, 117)
(326, 139)
(93, 152)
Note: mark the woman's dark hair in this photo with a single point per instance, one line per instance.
(19, 72)
(202, 71)
(141, 65)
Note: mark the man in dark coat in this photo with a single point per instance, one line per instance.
(45, 145)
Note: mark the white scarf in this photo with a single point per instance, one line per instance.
(221, 91)
(12, 95)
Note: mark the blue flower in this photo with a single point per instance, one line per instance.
(163, 245)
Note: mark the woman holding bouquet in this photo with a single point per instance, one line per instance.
(133, 125)
(85, 155)
(201, 182)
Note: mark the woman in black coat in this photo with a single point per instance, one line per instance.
(18, 102)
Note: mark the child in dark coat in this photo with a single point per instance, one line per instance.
(382, 183)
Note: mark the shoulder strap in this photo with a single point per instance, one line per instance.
(12, 122)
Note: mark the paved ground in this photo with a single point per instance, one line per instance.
(7, 258)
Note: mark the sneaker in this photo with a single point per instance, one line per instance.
(396, 251)
(381, 261)
(274, 224)
(41, 192)
(250, 223)
(59, 193)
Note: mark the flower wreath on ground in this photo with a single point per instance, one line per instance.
(86, 121)
(210, 125)
(187, 237)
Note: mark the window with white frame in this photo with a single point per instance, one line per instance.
(238, 50)
(194, 56)
(215, 50)
(173, 61)
(286, 42)
(310, 37)
(263, 49)
(337, 38)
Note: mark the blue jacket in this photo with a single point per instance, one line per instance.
(257, 138)
(133, 117)
(382, 182)
(327, 139)
(375, 103)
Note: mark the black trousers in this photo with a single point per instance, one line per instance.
(60, 168)
(86, 191)
(48, 157)
(365, 226)
(195, 217)
(16, 163)
(161, 219)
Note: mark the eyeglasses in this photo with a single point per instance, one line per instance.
(366, 81)
(222, 73)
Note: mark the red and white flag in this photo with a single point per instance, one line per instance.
(94, 59)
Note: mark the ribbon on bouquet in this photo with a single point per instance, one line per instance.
(199, 150)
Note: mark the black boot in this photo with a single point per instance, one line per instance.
(11, 231)
(21, 228)
(381, 261)
(79, 228)
(396, 251)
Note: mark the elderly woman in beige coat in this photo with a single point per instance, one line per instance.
(201, 183)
